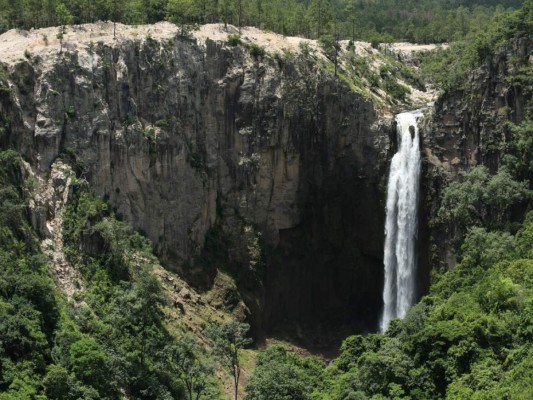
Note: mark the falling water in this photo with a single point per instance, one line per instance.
(401, 222)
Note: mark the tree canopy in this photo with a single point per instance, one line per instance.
(385, 20)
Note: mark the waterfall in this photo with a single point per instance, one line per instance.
(401, 221)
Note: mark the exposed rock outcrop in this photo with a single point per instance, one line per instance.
(268, 168)
(47, 208)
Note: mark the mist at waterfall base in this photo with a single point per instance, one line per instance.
(400, 259)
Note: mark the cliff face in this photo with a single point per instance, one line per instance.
(267, 168)
(467, 127)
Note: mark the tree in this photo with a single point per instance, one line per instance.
(520, 149)
(280, 375)
(239, 13)
(484, 249)
(331, 49)
(320, 16)
(351, 10)
(184, 360)
(481, 199)
(91, 364)
(64, 18)
(58, 384)
(226, 10)
(229, 339)
(389, 364)
(117, 9)
(181, 13)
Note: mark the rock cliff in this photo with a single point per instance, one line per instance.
(266, 167)
(468, 127)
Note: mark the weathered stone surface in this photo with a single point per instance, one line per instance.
(202, 147)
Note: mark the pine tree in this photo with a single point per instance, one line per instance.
(64, 18)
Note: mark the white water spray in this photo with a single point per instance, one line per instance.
(401, 221)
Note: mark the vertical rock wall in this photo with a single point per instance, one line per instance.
(270, 169)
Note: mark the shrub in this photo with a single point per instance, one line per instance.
(256, 51)
(162, 123)
(234, 39)
(71, 113)
(304, 47)
(394, 89)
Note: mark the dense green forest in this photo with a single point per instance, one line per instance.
(427, 21)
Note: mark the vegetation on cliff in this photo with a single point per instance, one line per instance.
(449, 67)
(112, 338)
(96, 345)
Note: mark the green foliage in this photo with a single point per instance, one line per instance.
(426, 21)
(162, 123)
(330, 46)
(63, 15)
(109, 341)
(59, 384)
(484, 249)
(71, 113)
(90, 363)
(28, 307)
(63, 18)
(386, 370)
(449, 67)
(229, 339)
(234, 39)
(256, 51)
(126, 303)
(187, 360)
(149, 134)
(281, 375)
(482, 199)
(394, 89)
(520, 148)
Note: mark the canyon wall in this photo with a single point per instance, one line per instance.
(266, 167)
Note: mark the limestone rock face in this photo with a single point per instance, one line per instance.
(268, 168)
